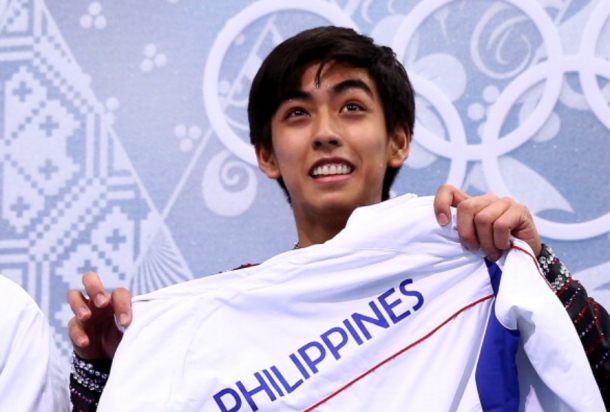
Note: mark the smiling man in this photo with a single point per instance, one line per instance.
(330, 148)
(323, 128)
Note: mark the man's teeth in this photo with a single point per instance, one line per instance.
(328, 170)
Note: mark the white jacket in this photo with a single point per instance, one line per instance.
(390, 315)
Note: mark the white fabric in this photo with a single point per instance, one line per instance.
(30, 374)
(285, 335)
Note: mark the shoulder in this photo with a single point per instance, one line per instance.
(246, 266)
(23, 323)
(198, 286)
(16, 303)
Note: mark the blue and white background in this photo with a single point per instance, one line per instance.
(124, 142)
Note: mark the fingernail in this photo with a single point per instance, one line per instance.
(82, 312)
(443, 219)
(100, 299)
(81, 341)
(123, 319)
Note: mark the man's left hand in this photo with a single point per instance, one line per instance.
(487, 221)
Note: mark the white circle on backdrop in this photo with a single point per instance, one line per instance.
(225, 39)
(456, 148)
(86, 21)
(94, 8)
(590, 38)
(501, 108)
(100, 22)
(150, 50)
(160, 60)
(551, 72)
(186, 145)
(476, 111)
(147, 65)
(194, 132)
(112, 103)
(555, 230)
(491, 93)
(180, 131)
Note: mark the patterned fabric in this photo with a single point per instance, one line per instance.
(590, 318)
(87, 381)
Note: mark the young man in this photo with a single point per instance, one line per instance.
(331, 117)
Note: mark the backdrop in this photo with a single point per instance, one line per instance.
(124, 145)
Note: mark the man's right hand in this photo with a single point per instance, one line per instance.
(93, 330)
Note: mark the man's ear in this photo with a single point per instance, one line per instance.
(399, 146)
(267, 162)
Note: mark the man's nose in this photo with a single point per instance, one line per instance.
(326, 134)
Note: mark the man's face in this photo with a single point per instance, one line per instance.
(330, 143)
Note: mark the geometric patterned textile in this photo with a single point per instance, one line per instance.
(124, 140)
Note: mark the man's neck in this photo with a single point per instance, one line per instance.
(316, 229)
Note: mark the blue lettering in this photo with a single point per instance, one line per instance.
(353, 332)
(221, 403)
(273, 383)
(248, 394)
(299, 365)
(288, 387)
(312, 362)
(404, 291)
(334, 349)
(389, 306)
(313, 353)
(379, 320)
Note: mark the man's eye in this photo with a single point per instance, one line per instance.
(296, 112)
(351, 107)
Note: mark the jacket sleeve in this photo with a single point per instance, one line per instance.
(87, 381)
(590, 319)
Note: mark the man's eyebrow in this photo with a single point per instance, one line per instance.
(336, 90)
(352, 84)
(296, 95)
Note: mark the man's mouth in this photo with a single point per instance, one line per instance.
(332, 169)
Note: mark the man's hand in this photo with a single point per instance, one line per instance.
(487, 221)
(93, 330)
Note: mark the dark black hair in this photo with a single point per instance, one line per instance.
(280, 76)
